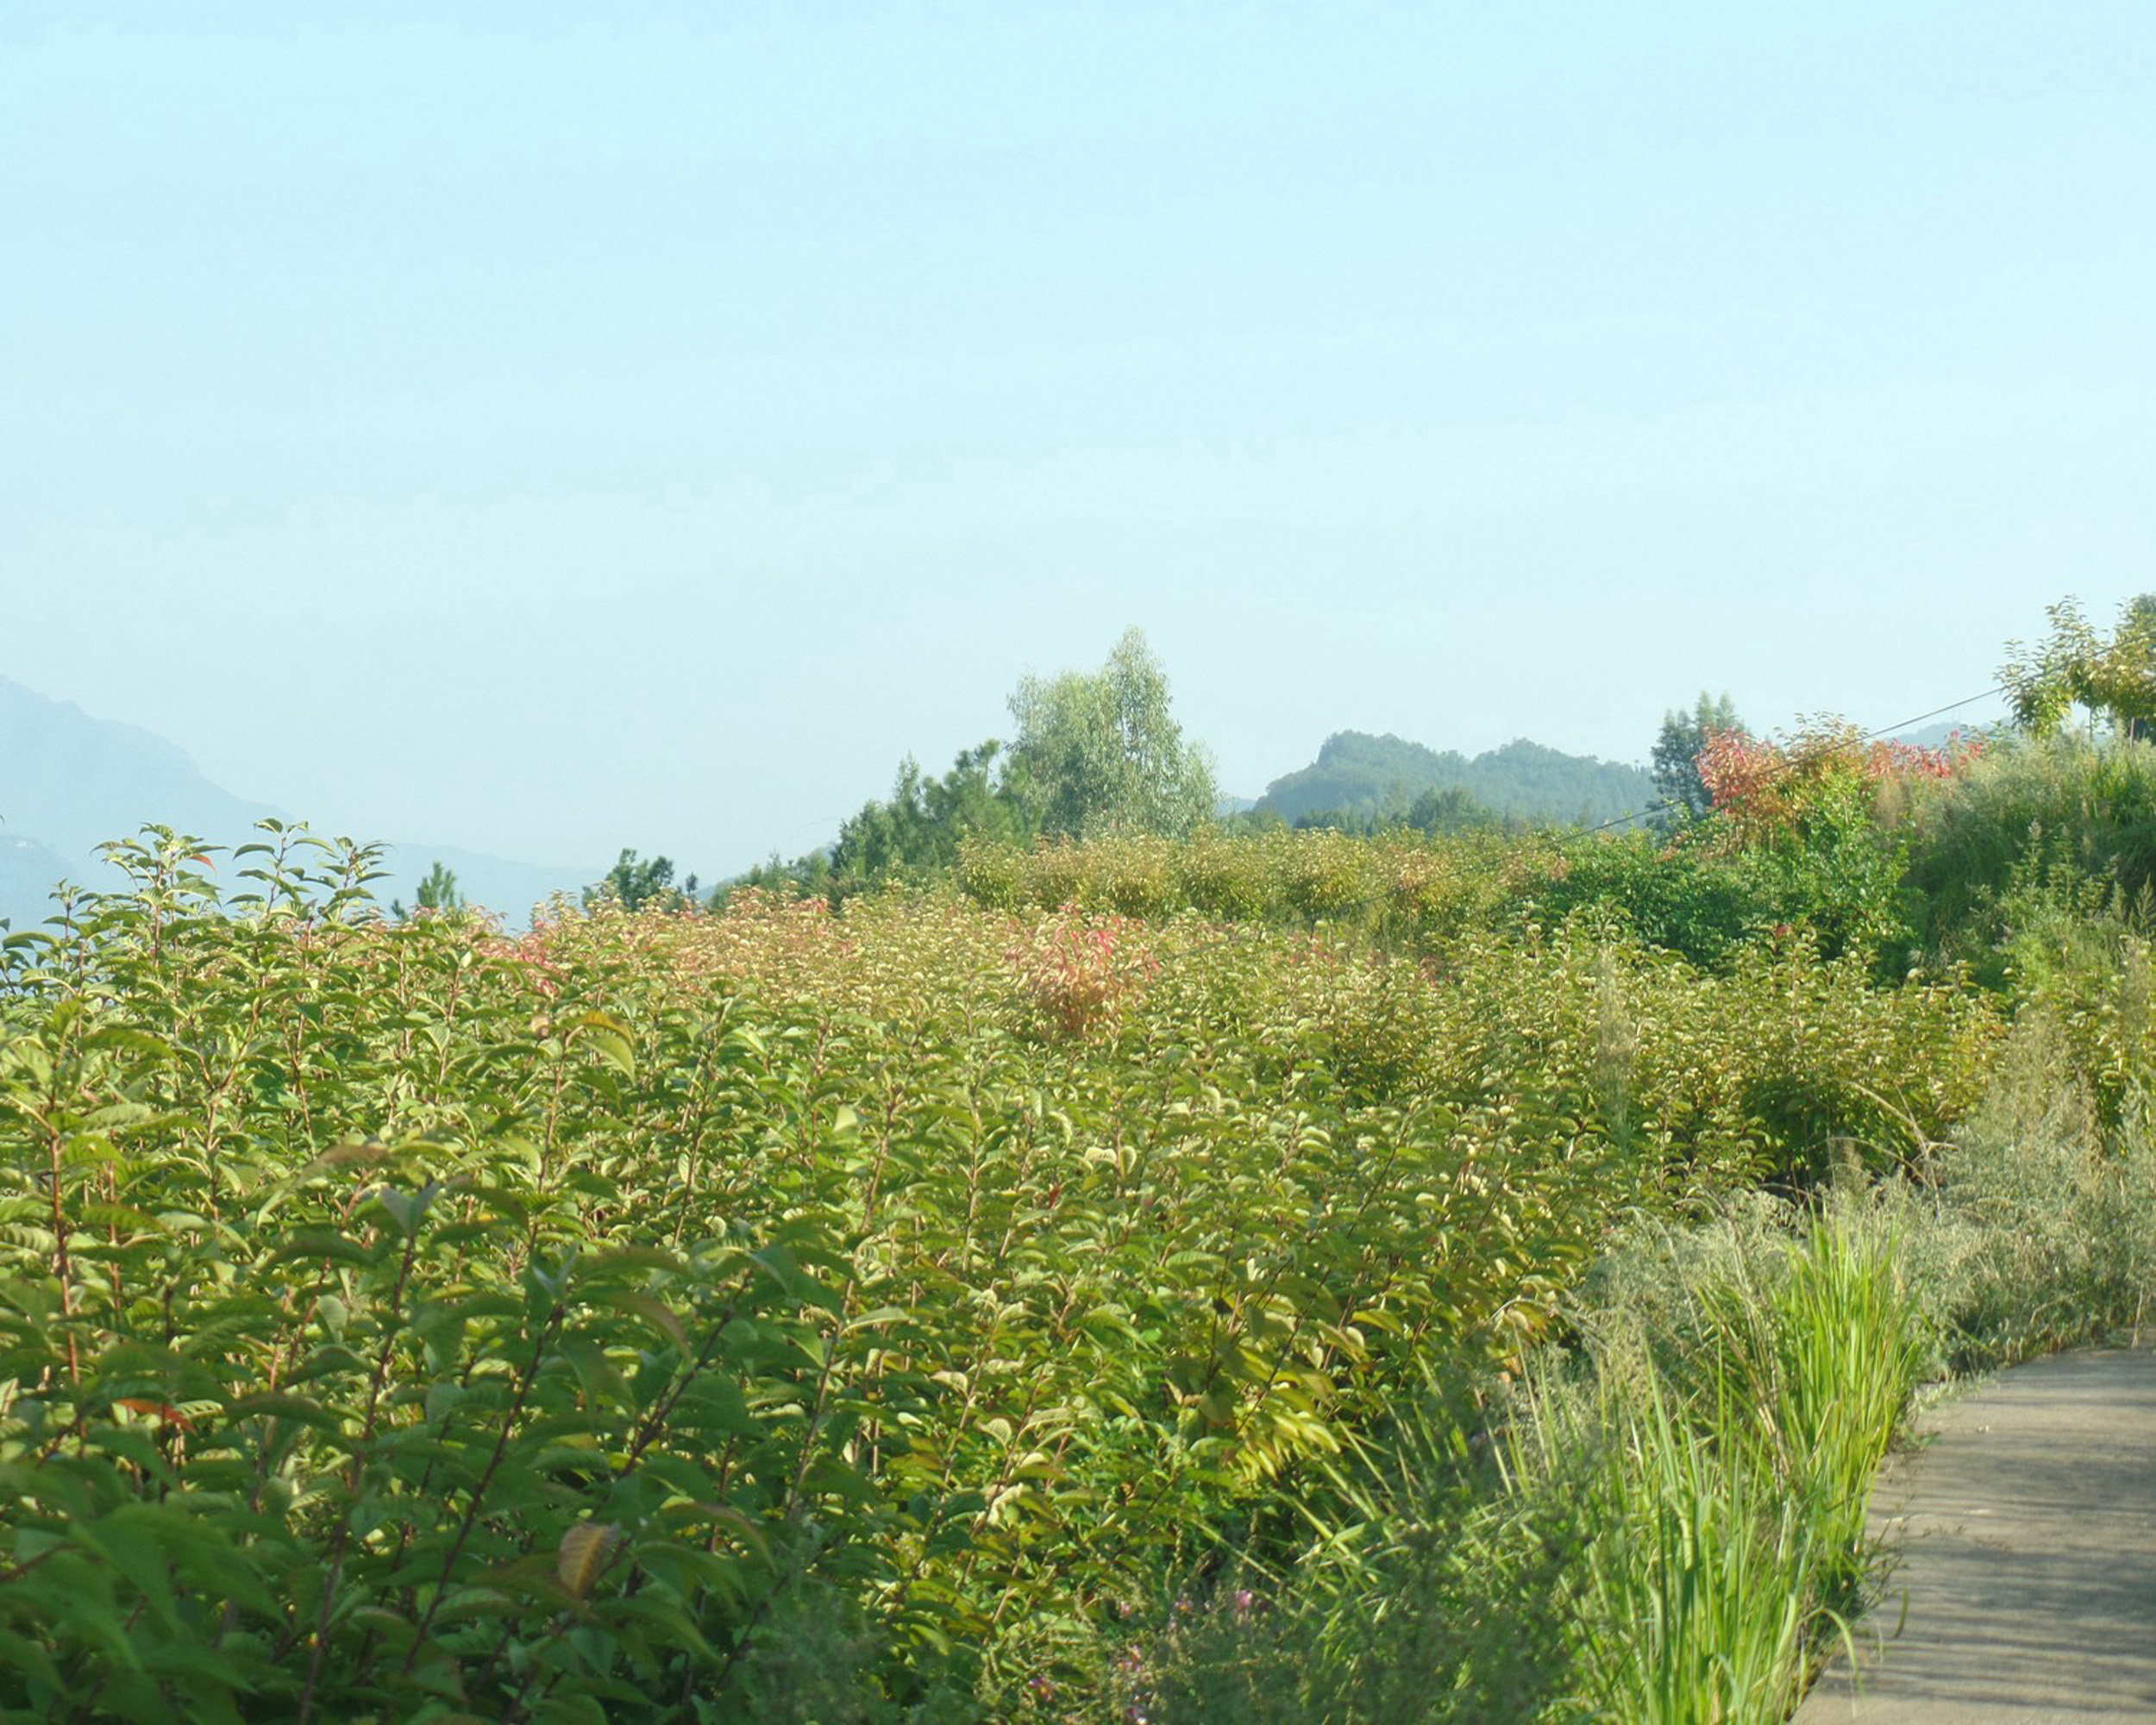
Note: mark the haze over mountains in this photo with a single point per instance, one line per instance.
(70, 782)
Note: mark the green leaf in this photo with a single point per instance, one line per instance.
(611, 1037)
(142, 1560)
(653, 1310)
(583, 1552)
(27, 1657)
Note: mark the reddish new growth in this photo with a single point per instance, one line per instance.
(1080, 971)
(1766, 788)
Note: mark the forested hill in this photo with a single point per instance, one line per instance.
(1372, 777)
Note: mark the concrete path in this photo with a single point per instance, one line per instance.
(2026, 1531)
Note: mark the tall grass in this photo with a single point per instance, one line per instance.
(1660, 1527)
(1847, 1342)
(1667, 1521)
(1698, 1582)
(2044, 1230)
(1728, 1502)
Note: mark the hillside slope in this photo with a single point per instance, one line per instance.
(69, 782)
(1364, 775)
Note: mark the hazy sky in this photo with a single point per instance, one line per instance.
(544, 435)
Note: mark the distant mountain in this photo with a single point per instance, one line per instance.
(1370, 776)
(27, 870)
(70, 782)
(1939, 735)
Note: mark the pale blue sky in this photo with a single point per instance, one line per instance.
(546, 435)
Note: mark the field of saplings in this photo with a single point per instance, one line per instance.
(693, 1316)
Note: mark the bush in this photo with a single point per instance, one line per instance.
(2029, 811)
(1677, 896)
(1659, 1527)
(1080, 972)
(907, 1311)
(2048, 1218)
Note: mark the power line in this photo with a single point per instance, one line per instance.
(1903, 724)
(1589, 833)
(1867, 737)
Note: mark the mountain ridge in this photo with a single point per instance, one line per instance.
(1371, 776)
(70, 781)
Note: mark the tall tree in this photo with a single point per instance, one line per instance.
(919, 831)
(1676, 752)
(634, 883)
(1101, 753)
(2114, 679)
(438, 892)
(1449, 811)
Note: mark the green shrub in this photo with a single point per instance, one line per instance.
(2057, 810)
(2080, 961)
(1678, 897)
(757, 1313)
(1660, 1526)
(2047, 1218)
(401, 1316)
(993, 874)
(1133, 876)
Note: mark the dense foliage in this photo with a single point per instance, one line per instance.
(1811, 836)
(1088, 1283)
(1097, 754)
(2115, 680)
(1101, 752)
(1680, 791)
(402, 1317)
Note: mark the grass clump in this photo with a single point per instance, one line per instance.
(2045, 1229)
(1660, 1524)
(1695, 1587)
(1729, 1482)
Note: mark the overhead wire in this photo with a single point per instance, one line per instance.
(1899, 725)
(1352, 905)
